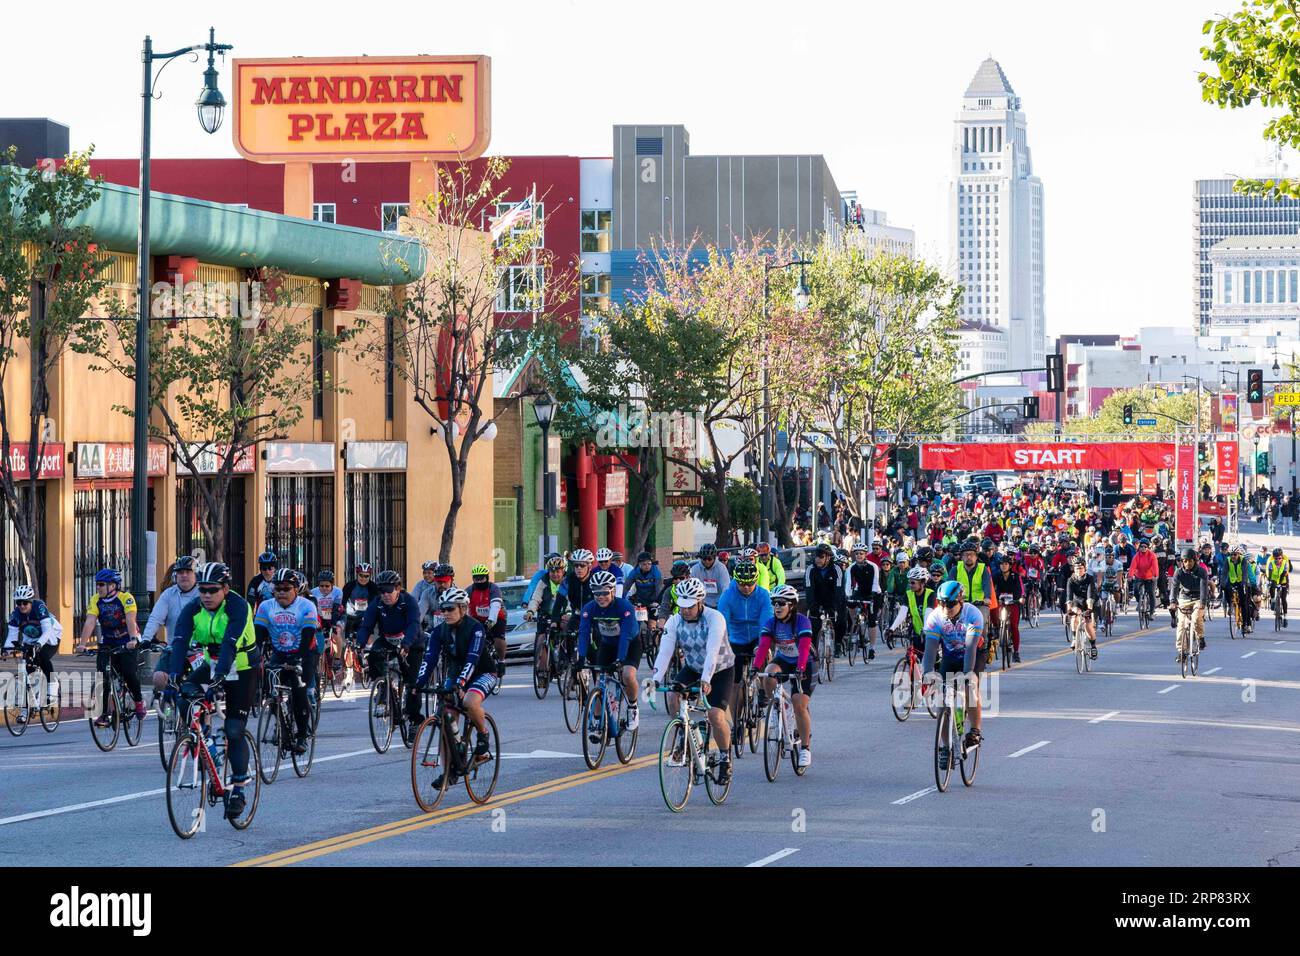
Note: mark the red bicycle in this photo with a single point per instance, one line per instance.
(905, 682)
(198, 774)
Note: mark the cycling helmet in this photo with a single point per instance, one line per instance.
(938, 568)
(581, 556)
(479, 571)
(690, 592)
(285, 576)
(452, 597)
(1277, 552)
(748, 554)
(302, 579)
(429, 566)
(860, 549)
(24, 592)
(1110, 551)
(986, 544)
(551, 555)
(924, 554)
(602, 581)
(109, 576)
(708, 551)
(364, 568)
(763, 548)
(1076, 562)
(388, 579)
(1238, 549)
(1192, 554)
(970, 545)
(644, 556)
(604, 554)
(680, 569)
(326, 576)
(900, 557)
(823, 548)
(949, 592)
(444, 571)
(918, 574)
(555, 564)
(746, 572)
(213, 572)
(186, 562)
(267, 559)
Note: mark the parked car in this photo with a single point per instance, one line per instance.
(520, 634)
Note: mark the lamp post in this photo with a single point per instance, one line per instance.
(765, 450)
(211, 106)
(544, 410)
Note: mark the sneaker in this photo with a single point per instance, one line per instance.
(724, 770)
(1092, 651)
(103, 721)
(871, 654)
(633, 717)
(1015, 657)
(299, 745)
(235, 803)
(805, 758)
(974, 739)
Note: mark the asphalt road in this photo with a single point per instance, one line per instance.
(1128, 765)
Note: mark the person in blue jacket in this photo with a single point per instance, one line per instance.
(615, 623)
(645, 582)
(397, 617)
(745, 606)
(539, 575)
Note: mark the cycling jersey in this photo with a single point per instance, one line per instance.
(291, 629)
(468, 650)
(486, 604)
(790, 641)
(329, 606)
(358, 598)
(954, 635)
(864, 580)
(703, 642)
(643, 587)
(715, 580)
(168, 611)
(259, 589)
(744, 615)
(616, 624)
(572, 597)
(401, 619)
(227, 631)
(112, 611)
(771, 573)
(37, 626)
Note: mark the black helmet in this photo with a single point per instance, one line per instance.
(644, 556)
(444, 571)
(986, 544)
(680, 569)
(708, 551)
(388, 579)
(1277, 552)
(214, 572)
(186, 562)
(823, 548)
(285, 576)
(1190, 553)
(551, 556)
(325, 575)
(429, 566)
(267, 559)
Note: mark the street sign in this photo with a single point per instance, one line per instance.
(1146, 421)
(1286, 398)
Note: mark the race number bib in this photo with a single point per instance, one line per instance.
(642, 614)
(711, 587)
(1033, 572)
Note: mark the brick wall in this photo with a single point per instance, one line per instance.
(508, 452)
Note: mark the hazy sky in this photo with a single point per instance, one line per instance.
(1117, 128)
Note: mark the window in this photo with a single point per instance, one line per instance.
(595, 293)
(390, 213)
(596, 225)
(538, 223)
(323, 211)
(1294, 289)
(1259, 286)
(1268, 285)
(521, 289)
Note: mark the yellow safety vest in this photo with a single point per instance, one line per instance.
(918, 624)
(1234, 572)
(974, 592)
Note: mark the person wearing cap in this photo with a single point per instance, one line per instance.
(572, 596)
(613, 619)
(1237, 577)
(712, 573)
(771, 572)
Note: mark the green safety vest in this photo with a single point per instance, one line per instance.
(974, 592)
(1234, 572)
(918, 625)
(1277, 570)
(210, 631)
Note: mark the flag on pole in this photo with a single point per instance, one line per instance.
(518, 215)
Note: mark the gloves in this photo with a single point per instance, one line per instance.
(449, 685)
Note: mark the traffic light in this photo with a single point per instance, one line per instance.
(891, 465)
(1255, 385)
(1031, 406)
(1128, 414)
(1056, 373)
(1202, 452)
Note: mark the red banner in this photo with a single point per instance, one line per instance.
(1185, 493)
(1130, 482)
(1148, 481)
(1225, 467)
(51, 460)
(880, 463)
(1047, 456)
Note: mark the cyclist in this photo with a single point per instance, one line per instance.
(1190, 589)
(220, 625)
(471, 667)
(701, 632)
(1081, 596)
(1238, 577)
(35, 633)
(646, 581)
(539, 575)
(359, 595)
(167, 612)
(771, 572)
(573, 595)
(287, 624)
(712, 572)
(488, 606)
(329, 608)
(114, 609)
(745, 607)
(865, 578)
(1278, 574)
(605, 562)
(542, 603)
(1112, 580)
(912, 610)
(397, 618)
(425, 592)
(667, 600)
(976, 582)
(260, 588)
(1143, 571)
(1164, 553)
(1007, 581)
(789, 636)
(825, 592)
(958, 628)
(614, 620)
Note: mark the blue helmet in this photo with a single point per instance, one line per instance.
(950, 591)
(109, 576)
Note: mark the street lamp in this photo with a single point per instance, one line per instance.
(544, 410)
(801, 297)
(211, 107)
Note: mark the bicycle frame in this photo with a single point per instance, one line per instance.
(201, 710)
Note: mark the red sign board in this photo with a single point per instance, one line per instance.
(1185, 493)
(1129, 485)
(1047, 456)
(1148, 481)
(51, 461)
(879, 463)
(1225, 467)
(116, 459)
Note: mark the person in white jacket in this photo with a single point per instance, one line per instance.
(701, 633)
(34, 629)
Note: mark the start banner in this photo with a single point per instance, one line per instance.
(1047, 456)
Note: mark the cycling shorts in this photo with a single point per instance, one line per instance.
(608, 653)
(719, 687)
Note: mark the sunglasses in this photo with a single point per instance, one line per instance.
(387, 590)
(21, 603)
(209, 590)
(780, 603)
(284, 588)
(950, 603)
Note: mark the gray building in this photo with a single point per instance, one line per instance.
(1220, 213)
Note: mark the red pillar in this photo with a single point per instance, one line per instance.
(588, 533)
(614, 531)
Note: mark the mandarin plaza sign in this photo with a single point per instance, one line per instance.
(376, 109)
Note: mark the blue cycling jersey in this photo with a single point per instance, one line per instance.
(952, 634)
(286, 624)
(745, 615)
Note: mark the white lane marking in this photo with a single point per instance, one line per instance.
(1269, 650)
(73, 807)
(350, 753)
(1276, 643)
(912, 796)
(1105, 716)
(1244, 656)
(778, 855)
(1135, 718)
(1169, 688)
(1024, 750)
(1212, 670)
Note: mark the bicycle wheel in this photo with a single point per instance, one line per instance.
(168, 726)
(573, 703)
(932, 694)
(269, 743)
(1234, 620)
(717, 790)
(742, 719)
(481, 779)
(851, 639)
(132, 722)
(242, 821)
(756, 725)
(595, 724)
(302, 762)
(1079, 652)
(187, 787)
(541, 675)
(625, 742)
(830, 661)
(1195, 664)
(430, 759)
(50, 712)
(943, 740)
(773, 741)
(1007, 651)
(1086, 653)
(676, 774)
(380, 716)
(970, 761)
(902, 689)
(397, 701)
(105, 737)
(332, 662)
(17, 713)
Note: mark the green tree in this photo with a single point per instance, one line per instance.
(1256, 52)
(744, 506)
(50, 276)
(1147, 401)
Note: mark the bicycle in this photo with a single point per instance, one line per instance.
(1279, 615)
(120, 710)
(557, 661)
(198, 779)
(386, 711)
(745, 727)
(857, 638)
(1004, 630)
(330, 667)
(950, 736)
(1031, 602)
(31, 696)
(438, 747)
(276, 727)
(646, 615)
(1145, 608)
(779, 730)
(1189, 647)
(826, 648)
(1106, 614)
(606, 718)
(170, 720)
(905, 682)
(684, 754)
(1079, 642)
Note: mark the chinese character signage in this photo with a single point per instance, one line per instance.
(1185, 493)
(1225, 466)
(116, 459)
(681, 480)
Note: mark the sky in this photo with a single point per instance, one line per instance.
(1116, 124)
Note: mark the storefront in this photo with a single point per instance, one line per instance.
(190, 537)
(375, 509)
(300, 504)
(12, 566)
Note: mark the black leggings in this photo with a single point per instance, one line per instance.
(42, 656)
(380, 651)
(127, 665)
(298, 688)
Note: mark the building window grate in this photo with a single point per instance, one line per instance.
(649, 145)
(375, 519)
(300, 521)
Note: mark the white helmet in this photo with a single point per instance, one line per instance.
(452, 596)
(581, 556)
(604, 554)
(689, 592)
(900, 556)
(603, 581)
(749, 554)
(918, 573)
(786, 592)
(24, 592)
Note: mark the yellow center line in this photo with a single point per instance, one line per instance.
(358, 838)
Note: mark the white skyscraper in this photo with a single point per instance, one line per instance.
(995, 228)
